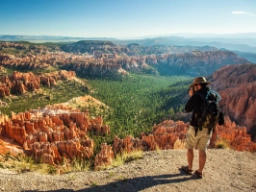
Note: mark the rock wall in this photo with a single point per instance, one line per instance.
(237, 85)
(202, 63)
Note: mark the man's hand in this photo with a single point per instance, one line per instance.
(190, 91)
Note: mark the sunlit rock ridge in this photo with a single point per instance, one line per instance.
(103, 58)
(19, 83)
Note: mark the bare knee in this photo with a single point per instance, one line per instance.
(190, 151)
(202, 153)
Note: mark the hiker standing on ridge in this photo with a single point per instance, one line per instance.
(198, 136)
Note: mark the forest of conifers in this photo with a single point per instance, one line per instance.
(139, 101)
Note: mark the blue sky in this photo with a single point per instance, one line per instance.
(126, 18)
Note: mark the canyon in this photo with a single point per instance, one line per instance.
(62, 131)
(104, 59)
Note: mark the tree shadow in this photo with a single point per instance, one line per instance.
(134, 184)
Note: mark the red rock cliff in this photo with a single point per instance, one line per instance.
(237, 84)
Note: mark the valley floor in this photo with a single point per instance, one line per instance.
(226, 170)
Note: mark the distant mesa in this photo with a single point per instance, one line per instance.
(47, 38)
(86, 46)
(133, 45)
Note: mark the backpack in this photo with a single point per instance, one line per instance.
(209, 113)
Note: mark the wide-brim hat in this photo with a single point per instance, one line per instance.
(199, 80)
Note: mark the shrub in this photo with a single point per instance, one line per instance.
(126, 157)
(222, 144)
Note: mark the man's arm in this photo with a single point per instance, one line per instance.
(189, 105)
(192, 103)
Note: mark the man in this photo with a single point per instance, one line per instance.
(196, 137)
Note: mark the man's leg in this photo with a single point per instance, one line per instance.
(203, 144)
(190, 155)
(202, 160)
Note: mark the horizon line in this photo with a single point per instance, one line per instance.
(181, 34)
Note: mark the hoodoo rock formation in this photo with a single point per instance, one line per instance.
(166, 135)
(236, 136)
(105, 157)
(237, 84)
(171, 135)
(50, 137)
(19, 83)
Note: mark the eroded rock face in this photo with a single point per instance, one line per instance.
(127, 144)
(83, 65)
(199, 63)
(103, 58)
(171, 135)
(236, 136)
(166, 135)
(105, 157)
(19, 83)
(50, 137)
(237, 85)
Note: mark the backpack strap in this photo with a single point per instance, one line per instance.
(202, 95)
(218, 97)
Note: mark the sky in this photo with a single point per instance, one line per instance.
(126, 18)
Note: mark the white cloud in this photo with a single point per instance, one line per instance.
(242, 13)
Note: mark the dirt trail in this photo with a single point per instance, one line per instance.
(225, 170)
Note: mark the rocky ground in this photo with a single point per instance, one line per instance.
(226, 170)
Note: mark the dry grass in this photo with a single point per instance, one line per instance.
(19, 163)
(158, 150)
(122, 158)
(23, 163)
(222, 144)
(126, 157)
(81, 165)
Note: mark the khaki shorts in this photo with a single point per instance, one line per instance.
(201, 140)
